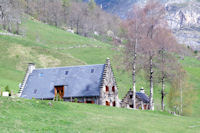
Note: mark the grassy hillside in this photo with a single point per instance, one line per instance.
(192, 66)
(19, 115)
(48, 46)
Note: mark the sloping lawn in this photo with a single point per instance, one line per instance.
(19, 115)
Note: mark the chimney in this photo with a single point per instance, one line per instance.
(108, 61)
(142, 90)
(101, 6)
(31, 67)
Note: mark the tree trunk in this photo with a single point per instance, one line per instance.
(181, 110)
(4, 25)
(163, 83)
(133, 75)
(17, 28)
(162, 95)
(77, 26)
(151, 82)
(9, 27)
(3, 18)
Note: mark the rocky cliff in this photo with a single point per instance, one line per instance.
(183, 17)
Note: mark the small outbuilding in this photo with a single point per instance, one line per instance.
(142, 100)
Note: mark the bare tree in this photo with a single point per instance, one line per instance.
(181, 95)
(147, 33)
(10, 14)
(154, 17)
(133, 34)
(85, 18)
(165, 60)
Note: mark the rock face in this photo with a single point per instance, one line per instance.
(183, 17)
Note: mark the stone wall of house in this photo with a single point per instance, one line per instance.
(92, 100)
(109, 89)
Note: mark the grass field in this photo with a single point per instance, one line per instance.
(48, 46)
(19, 115)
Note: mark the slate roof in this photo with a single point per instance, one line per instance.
(143, 97)
(79, 81)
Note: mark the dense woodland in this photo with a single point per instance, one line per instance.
(147, 44)
(83, 18)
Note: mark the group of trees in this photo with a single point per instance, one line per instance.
(10, 15)
(83, 18)
(152, 47)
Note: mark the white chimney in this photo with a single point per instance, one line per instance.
(31, 67)
(142, 90)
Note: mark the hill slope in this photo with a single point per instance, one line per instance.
(48, 46)
(19, 115)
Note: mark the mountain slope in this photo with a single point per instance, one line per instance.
(183, 17)
(45, 45)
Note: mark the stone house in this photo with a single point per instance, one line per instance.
(93, 84)
(142, 100)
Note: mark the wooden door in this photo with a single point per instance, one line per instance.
(145, 107)
(114, 104)
(59, 90)
(107, 103)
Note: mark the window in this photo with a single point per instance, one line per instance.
(114, 104)
(66, 72)
(113, 88)
(41, 74)
(35, 91)
(107, 88)
(92, 70)
(107, 103)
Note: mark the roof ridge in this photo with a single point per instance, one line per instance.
(68, 66)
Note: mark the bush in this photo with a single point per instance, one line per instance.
(76, 100)
(196, 52)
(58, 98)
(7, 88)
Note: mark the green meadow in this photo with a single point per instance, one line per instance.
(19, 115)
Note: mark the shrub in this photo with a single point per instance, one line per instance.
(76, 100)
(7, 88)
(196, 52)
(33, 98)
(58, 98)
